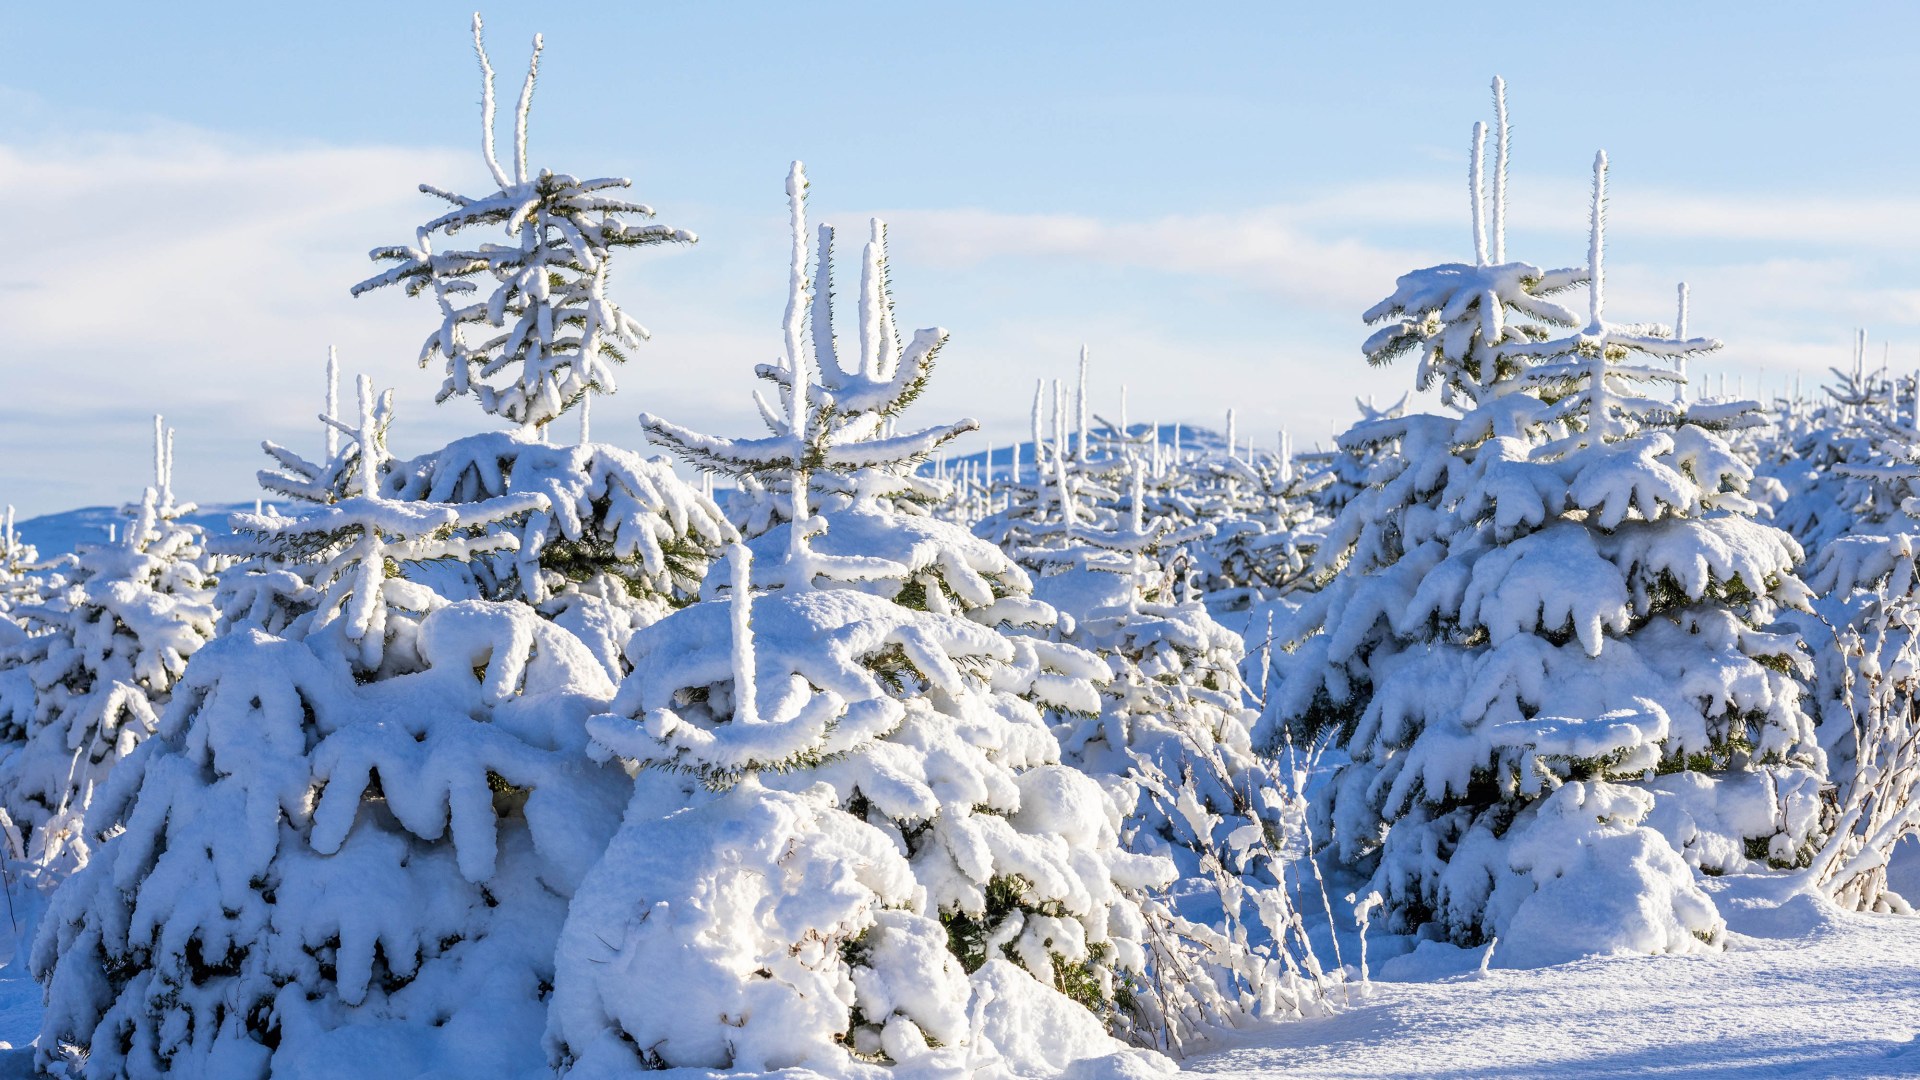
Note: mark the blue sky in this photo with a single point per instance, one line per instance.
(1208, 199)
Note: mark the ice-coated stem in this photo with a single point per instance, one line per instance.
(1137, 507)
(486, 106)
(520, 112)
(369, 465)
(1060, 461)
(333, 401)
(1039, 388)
(797, 271)
(797, 368)
(871, 361)
(1080, 404)
(1477, 189)
(1502, 136)
(159, 453)
(824, 350)
(889, 331)
(1597, 245)
(1680, 334)
(745, 700)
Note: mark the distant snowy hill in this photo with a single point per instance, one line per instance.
(59, 534)
(1188, 437)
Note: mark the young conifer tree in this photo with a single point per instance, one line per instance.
(25, 579)
(867, 708)
(361, 813)
(1551, 613)
(1812, 452)
(364, 811)
(105, 652)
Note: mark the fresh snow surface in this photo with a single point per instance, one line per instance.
(1802, 990)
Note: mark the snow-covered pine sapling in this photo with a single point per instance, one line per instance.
(106, 651)
(1815, 454)
(360, 817)
(548, 334)
(621, 538)
(881, 780)
(345, 568)
(1173, 744)
(1551, 612)
(24, 577)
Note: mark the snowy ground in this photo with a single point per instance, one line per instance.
(1802, 991)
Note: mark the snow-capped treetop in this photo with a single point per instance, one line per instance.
(1585, 376)
(1466, 319)
(840, 431)
(548, 314)
(346, 562)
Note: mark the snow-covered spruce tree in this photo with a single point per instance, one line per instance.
(548, 324)
(105, 652)
(25, 581)
(353, 835)
(1173, 743)
(24, 578)
(893, 867)
(1558, 593)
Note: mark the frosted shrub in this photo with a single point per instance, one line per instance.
(1172, 742)
(1866, 685)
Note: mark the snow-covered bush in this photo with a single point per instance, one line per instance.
(1565, 584)
(1866, 682)
(1840, 461)
(24, 577)
(891, 828)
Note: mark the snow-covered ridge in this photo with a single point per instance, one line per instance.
(64, 532)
